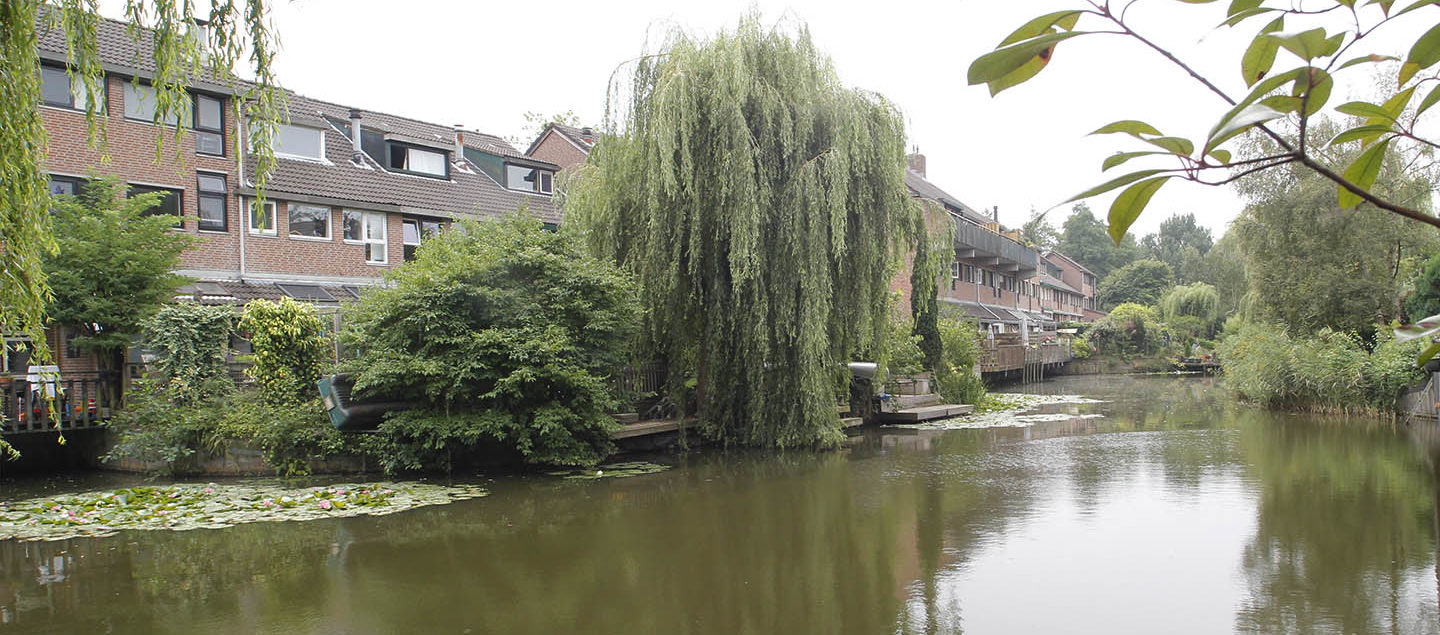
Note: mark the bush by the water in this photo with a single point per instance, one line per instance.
(502, 333)
(955, 377)
(1328, 370)
(1129, 330)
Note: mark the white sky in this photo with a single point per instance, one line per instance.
(485, 64)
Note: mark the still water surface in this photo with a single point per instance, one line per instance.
(1175, 512)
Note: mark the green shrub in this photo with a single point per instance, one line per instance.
(499, 331)
(904, 355)
(190, 342)
(1129, 330)
(1330, 370)
(1081, 348)
(955, 378)
(290, 349)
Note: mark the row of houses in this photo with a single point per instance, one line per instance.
(355, 192)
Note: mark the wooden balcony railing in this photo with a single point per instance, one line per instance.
(81, 401)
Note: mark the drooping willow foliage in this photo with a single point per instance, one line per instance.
(180, 52)
(762, 207)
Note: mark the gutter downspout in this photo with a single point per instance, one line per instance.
(240, 182)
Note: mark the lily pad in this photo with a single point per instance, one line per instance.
(613, 470)
(182, 507)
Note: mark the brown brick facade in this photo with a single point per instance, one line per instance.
(554, 148)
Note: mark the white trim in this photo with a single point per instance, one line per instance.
(274, 231)
(312, 239)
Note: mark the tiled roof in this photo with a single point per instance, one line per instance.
(1068, 259)
(468, 193)
(1045, 279)
(922, 188)
(575, 135)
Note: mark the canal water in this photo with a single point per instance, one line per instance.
(1175, 511)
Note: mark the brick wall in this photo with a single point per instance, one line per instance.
(558, 150)
(132, 156)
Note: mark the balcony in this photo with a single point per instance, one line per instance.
(980, 246)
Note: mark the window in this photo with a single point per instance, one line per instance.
(955, 269)
(71, 350)
(63, 185)
(306, 292)
(211, 199)
(169, 199)
(409, 159)
(262, 218)
(304, 143)
(309, 221)
(526, 179)
(58, 89)
(141, 103)
(209, 125)
(368, 228)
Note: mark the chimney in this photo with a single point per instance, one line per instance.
(997, 214)
(355, 133)
(916, 162)
(459, 143)
(588, 134)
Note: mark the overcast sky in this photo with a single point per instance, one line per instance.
(485, 64)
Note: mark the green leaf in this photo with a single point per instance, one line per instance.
(1366, 59)
(1004, 61)
(1422, 328)
(1366, 133)
(1415, 6)
(1064, 20)
(1223, 156)
(1423, 55)
(1251, 116)
(1308, 44)
(1429, 100)
(1245, 15)
(1282, 103)
(1384, 5)
(1316, 91)
(1130, 203)
(1239, 6)
(1364, 109)
(1114, 183)
(1260, 55)
(1175, 145)
(1428, 354)
(1396, 104)
(1121, 157)
(1362, 172)
(1131, 127)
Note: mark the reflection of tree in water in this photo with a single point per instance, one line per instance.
(1345, 538)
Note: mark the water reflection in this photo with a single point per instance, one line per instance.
(1176, 512)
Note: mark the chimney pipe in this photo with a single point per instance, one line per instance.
(997, 214)
(355, 133)
(916, 162)
(459, 143)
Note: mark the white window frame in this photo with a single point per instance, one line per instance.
(371, 219)
(274, 229)
(329, 222)
(303, 157)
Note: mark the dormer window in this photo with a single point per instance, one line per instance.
(300, 142)
(528, 179)
(404, 158)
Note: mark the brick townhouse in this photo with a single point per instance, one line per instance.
(565, 146)
(353, 194)
(1004, 285)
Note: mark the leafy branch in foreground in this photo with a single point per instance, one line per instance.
(1292, 96)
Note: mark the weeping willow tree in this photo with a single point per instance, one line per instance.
(761, 205)
(179, 50)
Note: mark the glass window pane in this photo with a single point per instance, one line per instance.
(412, 232)
(374, 226)
(375, 252)
(55, 87)
(262, 218)
(351, 222)
(169, 199)
(212, 212)
(207, 113)
(211, 183)
(429, 228)
(426, 162)
(209, 143)
(520, 178)
(59, 187)
(300, 142)
(545, 182)
(140, 103)
(311, 221)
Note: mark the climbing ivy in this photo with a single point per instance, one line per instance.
(761, 205)
(189, 342)
(290, 349)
